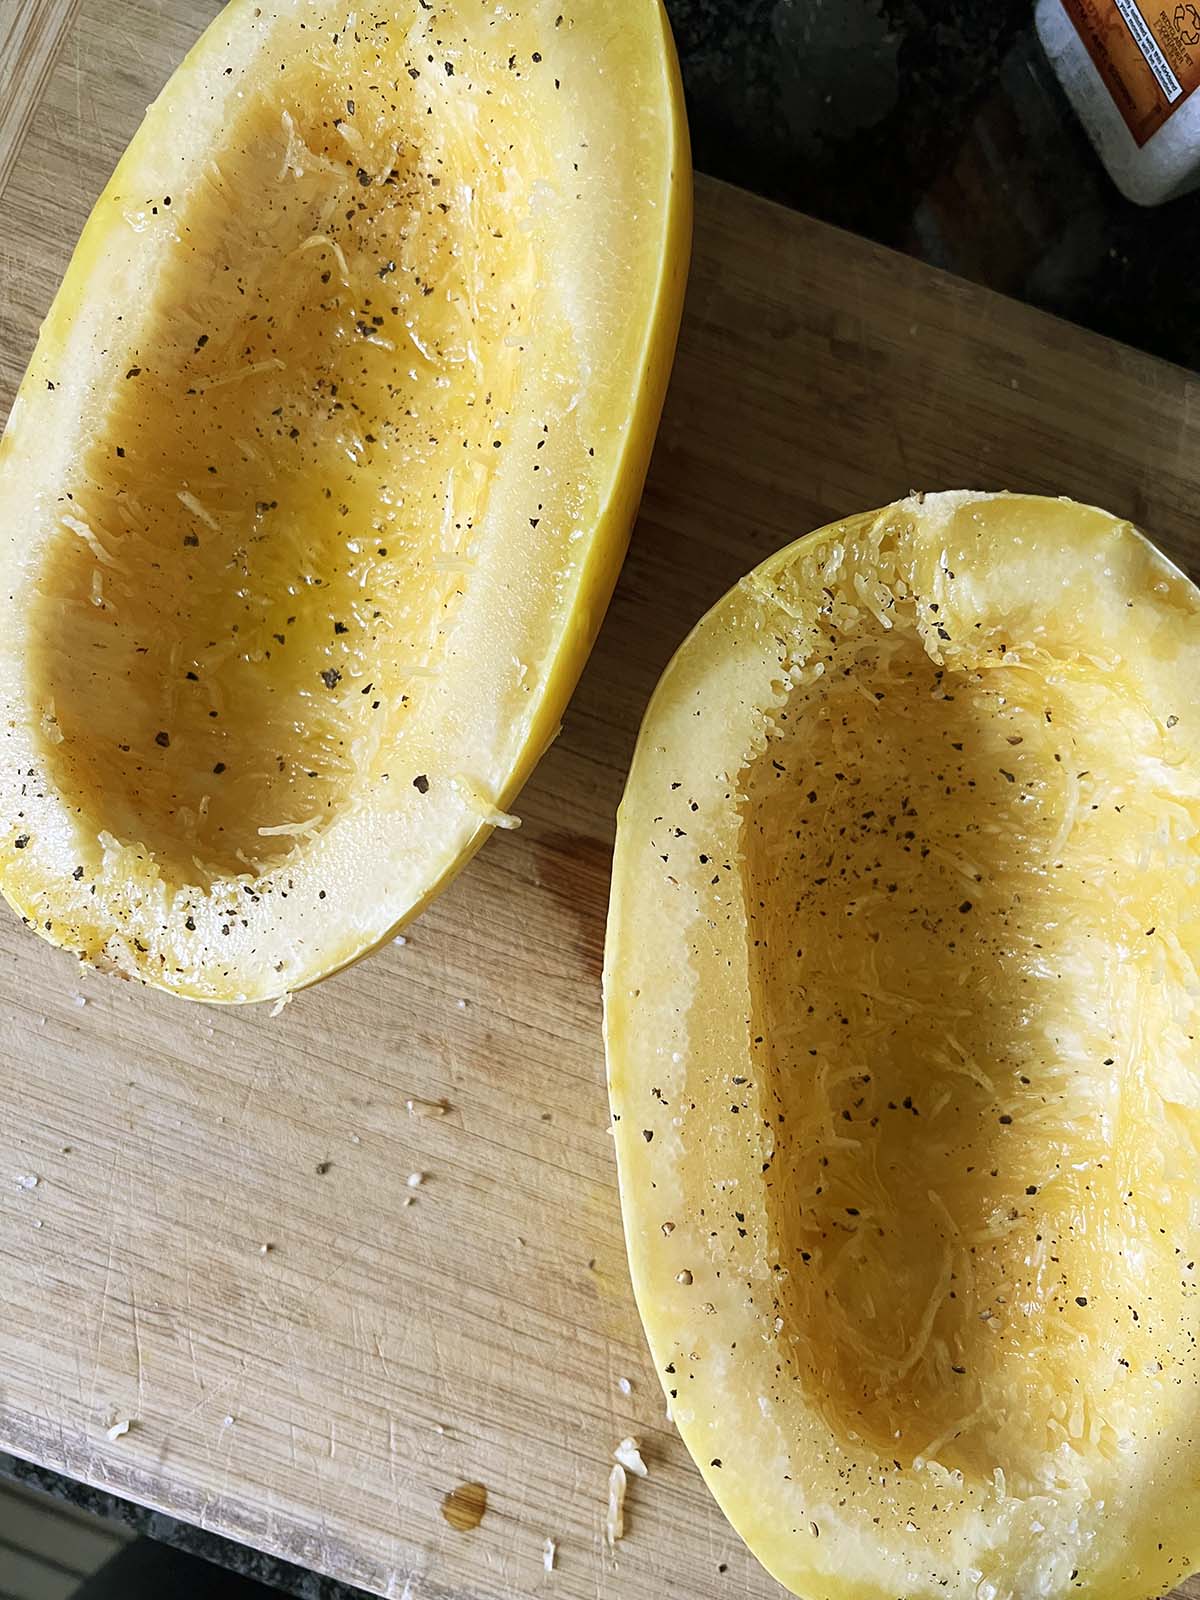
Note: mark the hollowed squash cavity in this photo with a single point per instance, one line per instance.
(901, 1010)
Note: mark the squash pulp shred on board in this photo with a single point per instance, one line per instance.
(316, 488)
(901, 1014)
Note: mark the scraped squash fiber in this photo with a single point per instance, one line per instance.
(315, 491)
(901, 1010)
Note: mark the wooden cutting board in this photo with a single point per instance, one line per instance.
(319, 1397)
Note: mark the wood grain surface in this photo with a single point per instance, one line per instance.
(319, 1397)
(31, 33)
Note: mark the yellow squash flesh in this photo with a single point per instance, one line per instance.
(316, 488)
(901, 1011)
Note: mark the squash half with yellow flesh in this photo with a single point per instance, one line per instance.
(315, 491)
(902, 1006)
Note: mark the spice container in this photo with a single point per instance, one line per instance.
(1130, 68)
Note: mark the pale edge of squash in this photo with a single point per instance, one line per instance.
(608, 544)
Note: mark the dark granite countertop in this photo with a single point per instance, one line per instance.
(937, 127)
(934, 127)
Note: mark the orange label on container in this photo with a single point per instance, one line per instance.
(1147, 54)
